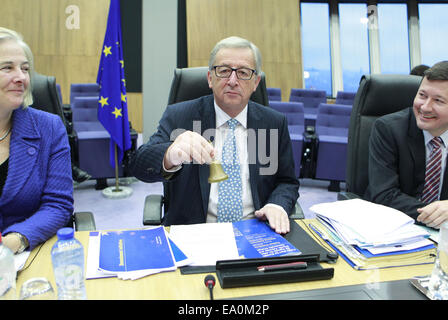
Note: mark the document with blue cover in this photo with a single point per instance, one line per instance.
(131, 254)
(255, 239)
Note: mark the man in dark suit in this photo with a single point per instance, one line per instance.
(400, 149)
(178, 153)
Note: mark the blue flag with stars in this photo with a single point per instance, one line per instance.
(112, 103)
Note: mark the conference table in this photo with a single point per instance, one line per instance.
(176, 286)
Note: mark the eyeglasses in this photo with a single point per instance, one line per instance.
(241, 73)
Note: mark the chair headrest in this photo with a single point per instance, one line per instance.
(85, 87)
(334, 109)
(45, 94)
(380, 94)
(286, 106)
(311, 93)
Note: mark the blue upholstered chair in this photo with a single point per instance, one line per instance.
(345, 97)
(311, 100)
(274, 94)
(296, 125)
(83, 90)
(93, 141)
(332, 124)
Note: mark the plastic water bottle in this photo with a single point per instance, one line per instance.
(7, 273)
(438, 284)
(67, 256)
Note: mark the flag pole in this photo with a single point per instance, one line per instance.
(117, 192)
(117, 188)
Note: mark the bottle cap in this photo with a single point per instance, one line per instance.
(65, 233)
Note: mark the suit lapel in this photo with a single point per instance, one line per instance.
(23, 151)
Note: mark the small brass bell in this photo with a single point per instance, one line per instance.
(217, 173)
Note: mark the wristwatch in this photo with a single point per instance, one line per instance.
(23, 242)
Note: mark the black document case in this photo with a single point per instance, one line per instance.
(244, 272)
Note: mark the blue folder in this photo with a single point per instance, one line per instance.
(122, 251)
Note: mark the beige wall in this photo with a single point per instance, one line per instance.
(273, 25)
(71, 55)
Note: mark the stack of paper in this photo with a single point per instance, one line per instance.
(371, 235)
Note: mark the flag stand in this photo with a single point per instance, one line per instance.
(117, 192)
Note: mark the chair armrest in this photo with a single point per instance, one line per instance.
(298, 212)
(344, 195)
(84, 221)
(152, 212)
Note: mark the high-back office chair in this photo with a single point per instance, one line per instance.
(377, 95)
(296, 126)
(45, 97)
(84, 90)
(274, 94)
(187, 84)
(93, 141)
(332, 124)
(345, 97)
(311, 99)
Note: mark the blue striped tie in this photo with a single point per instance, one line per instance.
(230, 203)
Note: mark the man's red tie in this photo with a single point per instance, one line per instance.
(433, 170)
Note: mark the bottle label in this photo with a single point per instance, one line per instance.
(69, 276)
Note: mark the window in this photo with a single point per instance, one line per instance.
(433, 32)
(316, 46)
(353, 23)
(393, 38)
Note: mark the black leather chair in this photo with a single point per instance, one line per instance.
(45, 97)
(188, 84)
(377, 95)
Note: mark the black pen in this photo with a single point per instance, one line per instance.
(283, 266)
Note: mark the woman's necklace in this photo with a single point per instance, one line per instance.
(5, 135)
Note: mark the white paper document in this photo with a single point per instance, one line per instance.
(206, 243)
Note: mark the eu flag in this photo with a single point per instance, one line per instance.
(112, 104)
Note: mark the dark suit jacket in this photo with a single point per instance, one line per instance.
(37, 197)
(188, 190)
(397, 163)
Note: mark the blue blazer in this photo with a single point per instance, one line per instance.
(37, 197)
(188, 189)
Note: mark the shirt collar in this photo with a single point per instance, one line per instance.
(428, 137)
(222, 117)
